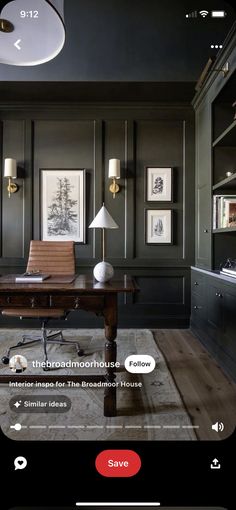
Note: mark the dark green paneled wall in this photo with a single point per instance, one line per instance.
(87, 136)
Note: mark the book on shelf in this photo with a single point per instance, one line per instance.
(224, 211)
(31, 277)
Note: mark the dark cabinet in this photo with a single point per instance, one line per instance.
(203, 227)
(215, 157)
(214, 310)
(198, 284)
(198, 307)
(213, 316)
(203, 185)
(198, 297)
(229, 323)
(198, 302)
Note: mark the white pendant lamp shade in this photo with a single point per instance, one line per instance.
(34, 36)
(103, 219)
(10, 169)
(114, 169)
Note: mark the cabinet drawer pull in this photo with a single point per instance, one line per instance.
(205, 230)
(8, 300)
(77, 303)
(32, 302)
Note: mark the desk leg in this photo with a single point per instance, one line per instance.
(110, 319)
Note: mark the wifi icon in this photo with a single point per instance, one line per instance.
(204, 13)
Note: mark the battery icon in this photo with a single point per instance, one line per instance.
(218, 14)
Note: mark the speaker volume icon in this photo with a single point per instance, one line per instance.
(218, 427)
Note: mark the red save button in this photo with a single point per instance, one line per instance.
(119, 463)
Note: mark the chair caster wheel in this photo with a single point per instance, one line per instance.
(5, 360)
(80, 352)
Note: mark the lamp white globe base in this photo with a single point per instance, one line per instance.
(103, 272)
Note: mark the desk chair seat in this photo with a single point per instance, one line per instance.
(49, 257)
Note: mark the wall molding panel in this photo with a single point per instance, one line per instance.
(61, 136)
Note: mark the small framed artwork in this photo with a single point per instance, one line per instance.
(230, 213)
(63, 205)
(159, 228)
(159, 186)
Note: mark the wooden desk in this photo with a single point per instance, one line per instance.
(81, 294)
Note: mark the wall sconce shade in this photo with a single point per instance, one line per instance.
(114, 168)
(10, 169)
(103, 271)
(114, 173)
(10, 172)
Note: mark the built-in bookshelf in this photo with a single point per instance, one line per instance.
(224, 209)
(228, 137)
(224, 174)
(227, 183)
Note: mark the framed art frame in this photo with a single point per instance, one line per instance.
(159, 226)
(230, 213)
(158, 184)
(63, 205)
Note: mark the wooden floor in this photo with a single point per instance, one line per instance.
(208, 394)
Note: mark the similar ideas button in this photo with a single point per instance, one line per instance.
(118, 463)
(140, 364)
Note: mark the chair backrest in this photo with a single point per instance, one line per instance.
(52, 257)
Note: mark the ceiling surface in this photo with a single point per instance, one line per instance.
(131, 40)
(116, 50)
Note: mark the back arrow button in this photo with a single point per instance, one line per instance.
(16, 44)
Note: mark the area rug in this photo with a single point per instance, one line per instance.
(153, 412)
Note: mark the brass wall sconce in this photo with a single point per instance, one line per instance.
(208, 69)
(224, 70)
(114, 173)
(10, 172)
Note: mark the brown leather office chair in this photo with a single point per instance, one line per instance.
(54, 258)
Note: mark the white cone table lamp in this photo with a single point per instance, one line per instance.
(103, 271)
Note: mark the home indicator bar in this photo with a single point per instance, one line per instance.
(118, 504)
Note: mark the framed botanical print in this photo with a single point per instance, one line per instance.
(159, 228)
(63, 205)
(159, 186)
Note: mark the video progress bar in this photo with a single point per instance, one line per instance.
(118, 504)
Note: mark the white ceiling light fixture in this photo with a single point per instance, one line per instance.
(32, 32)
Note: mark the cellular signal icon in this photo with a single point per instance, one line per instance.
(191, 15)
(204, 13)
